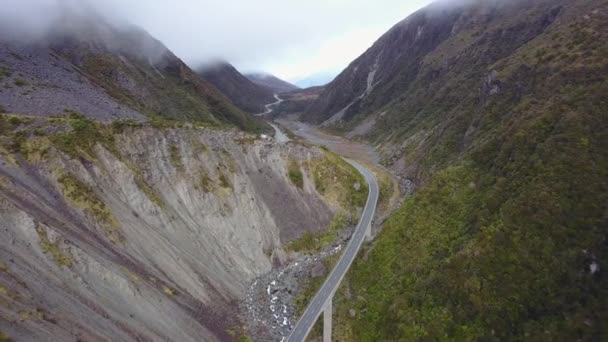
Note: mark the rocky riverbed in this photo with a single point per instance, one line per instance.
(269, 308)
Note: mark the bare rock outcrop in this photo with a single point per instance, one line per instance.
(155, 240)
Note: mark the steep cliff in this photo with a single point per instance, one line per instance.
(124, 231)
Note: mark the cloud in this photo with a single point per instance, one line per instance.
(288, 38)
(27, 20)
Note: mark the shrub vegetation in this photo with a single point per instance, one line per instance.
(498, 242)
(294, 173)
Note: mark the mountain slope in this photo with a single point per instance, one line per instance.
(496, 111)
(384, 71)
(106, 72)
(128, 231)
(245, 94)
(276, 84)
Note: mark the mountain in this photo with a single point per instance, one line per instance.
(495, 111)
(136, 204)
(134, 232)
(316, 80)
(386, 70)
(106, 72)
(131, 207)
(245, 94)
(277, 85)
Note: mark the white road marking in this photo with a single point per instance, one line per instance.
(316, 306)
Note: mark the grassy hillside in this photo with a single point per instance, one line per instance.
(505, 128)
(342, 186)
(497, 81)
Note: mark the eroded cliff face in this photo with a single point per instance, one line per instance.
(155, 238)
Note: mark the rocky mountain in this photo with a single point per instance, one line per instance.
(495, 110)
(136, 202)
(106, 71)
(388, 69)
(130, 231)
(276, 84)
(245, 94)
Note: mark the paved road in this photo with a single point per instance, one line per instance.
(279, 136)
(315, 308)
(270, 105)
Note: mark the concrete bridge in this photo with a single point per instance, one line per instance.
(322, 301)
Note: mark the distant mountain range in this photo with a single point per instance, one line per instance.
(245, 94)
(276, 84)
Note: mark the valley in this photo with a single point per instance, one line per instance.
(450, 183)
(340, 145)
(274, 301)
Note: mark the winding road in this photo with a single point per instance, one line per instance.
(325, 294)
(270, 105)
(279, 136)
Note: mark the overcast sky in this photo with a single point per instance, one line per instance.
(291, 39)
